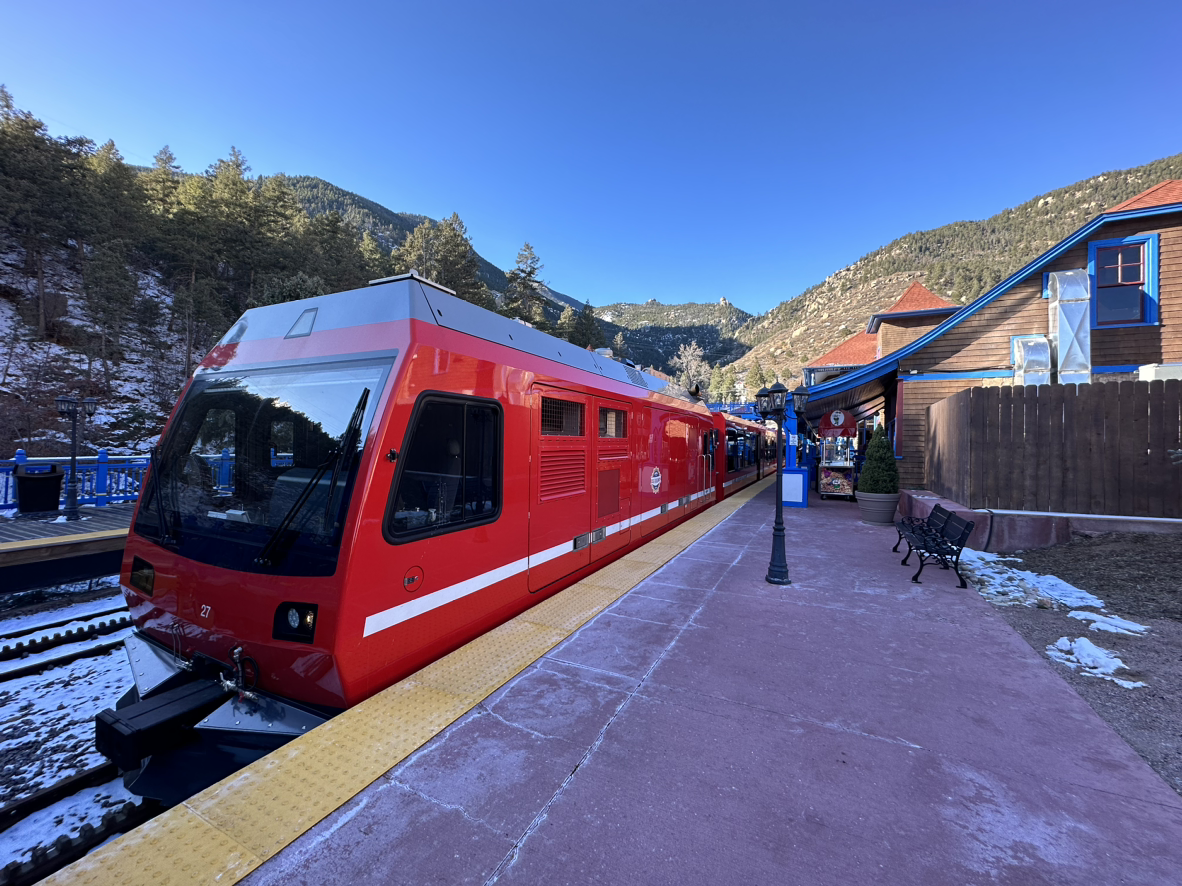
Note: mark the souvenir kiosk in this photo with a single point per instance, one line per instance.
(838, 432)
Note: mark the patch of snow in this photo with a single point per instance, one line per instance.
(1092, 660)
(1005, 585)
(33, 621)
(50, 656)
(1111, 623)
(63, 817)
(47, 721)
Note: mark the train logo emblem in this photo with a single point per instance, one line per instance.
(656, 481)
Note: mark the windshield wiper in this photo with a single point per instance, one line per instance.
(348, 450)
(165, 536)
(333, 461)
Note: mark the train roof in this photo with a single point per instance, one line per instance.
(410, 296)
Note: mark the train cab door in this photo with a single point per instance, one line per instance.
(611, 484)
(560, 495)
(705, 448)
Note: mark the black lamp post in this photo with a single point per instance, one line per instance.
(770, 403)
(800, 401)
(69, 406)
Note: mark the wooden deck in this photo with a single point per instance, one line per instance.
(25, 541)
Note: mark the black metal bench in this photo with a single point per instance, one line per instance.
(944, 546)
(932, 523)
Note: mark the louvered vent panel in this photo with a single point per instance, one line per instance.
(562, 473)
(635, 377)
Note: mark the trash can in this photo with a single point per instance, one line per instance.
(38, 488)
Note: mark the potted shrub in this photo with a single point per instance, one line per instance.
(878, 484)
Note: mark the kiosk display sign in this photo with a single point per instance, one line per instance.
(838, 423)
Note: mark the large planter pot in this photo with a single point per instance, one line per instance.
(878, 507)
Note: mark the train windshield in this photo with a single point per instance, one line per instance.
(257, 469)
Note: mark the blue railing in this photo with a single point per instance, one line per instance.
(102, 479)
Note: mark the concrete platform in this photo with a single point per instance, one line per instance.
(711, 728)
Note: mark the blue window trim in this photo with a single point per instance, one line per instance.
(1152, 314)
(946, 376)
(1101, 370)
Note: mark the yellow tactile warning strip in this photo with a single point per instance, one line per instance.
(221, 834)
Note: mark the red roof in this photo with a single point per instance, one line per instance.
(857, 350)
(917, 298)
(1159, 195)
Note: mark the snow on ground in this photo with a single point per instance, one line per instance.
(1007, 586)
(50, 656)
(23, 627)
(1090, 659)
(1004, 585)
(149, 377)
(1112, 623)
(47, 721)
(64, 817)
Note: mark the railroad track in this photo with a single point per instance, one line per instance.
(24, 648)
(53, 855)
(116, 607)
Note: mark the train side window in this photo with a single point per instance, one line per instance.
(613, 422)
(451, 469)
(561, 418)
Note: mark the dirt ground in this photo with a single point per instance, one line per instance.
(1139, 577)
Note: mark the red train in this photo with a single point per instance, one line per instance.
(352, 486)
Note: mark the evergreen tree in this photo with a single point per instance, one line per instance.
(115, 205)
(522, 298)
(378, 263)
(589, 333)
(160, 184)
(716, 384)
(568, 326)
(443, 253)
(756, 378)
(42, 181)
(620, 347)
(728, 385)
(110, 293)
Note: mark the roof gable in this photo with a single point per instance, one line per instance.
(918, 298)
(1163, 194)
(857, 350)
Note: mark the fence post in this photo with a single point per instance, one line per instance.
(20, 458)
(100, 480)
(224, 470)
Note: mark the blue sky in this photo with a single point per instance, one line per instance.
(682, 151)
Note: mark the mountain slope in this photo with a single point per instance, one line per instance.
(959, 261)
(654, 331)
(389, 228)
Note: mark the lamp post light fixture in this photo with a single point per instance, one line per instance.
(770, 403)
(800, 402)
(67, 405)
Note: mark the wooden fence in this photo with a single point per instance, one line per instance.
(1077, 449)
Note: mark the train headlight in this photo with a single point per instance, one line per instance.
(295, 622)
(143, 576)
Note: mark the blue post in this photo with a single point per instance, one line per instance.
(20, 458)
(100, 480)
(224, 479)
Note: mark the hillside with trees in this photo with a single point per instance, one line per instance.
(959, 261)
(115, 280)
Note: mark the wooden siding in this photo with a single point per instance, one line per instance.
(895, 334)
(1087, 449)
(982, 341)
(912, 425)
